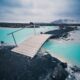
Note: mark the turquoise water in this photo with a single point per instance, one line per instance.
(21, 35)
(68, 52)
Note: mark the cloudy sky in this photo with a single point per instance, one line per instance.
(38, 10)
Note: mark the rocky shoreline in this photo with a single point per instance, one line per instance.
(14, 66)
(64, 32)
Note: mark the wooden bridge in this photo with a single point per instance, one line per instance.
(31, 46)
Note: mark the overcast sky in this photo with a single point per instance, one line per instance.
(38, 10)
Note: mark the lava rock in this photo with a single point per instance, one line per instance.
(46, 67)
(14, 66)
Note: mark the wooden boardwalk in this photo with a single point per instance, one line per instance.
(31, 46)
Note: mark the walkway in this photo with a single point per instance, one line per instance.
(31, 46)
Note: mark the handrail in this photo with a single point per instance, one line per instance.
(21, 29)
(16, 31)
(12, 33)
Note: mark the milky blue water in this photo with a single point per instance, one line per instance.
(68, 52)
(20, 35)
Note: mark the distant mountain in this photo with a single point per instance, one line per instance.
(64, 21)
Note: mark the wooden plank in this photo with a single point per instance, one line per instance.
(31, 46)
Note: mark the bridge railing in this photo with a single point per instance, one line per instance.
(12, 33)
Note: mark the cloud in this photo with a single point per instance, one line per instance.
(37, 10)
(9, 3)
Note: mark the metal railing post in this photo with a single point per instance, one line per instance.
(34, 30)
(14, 39)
